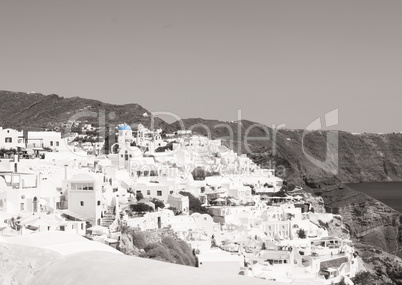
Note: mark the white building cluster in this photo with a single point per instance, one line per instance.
(253, 228)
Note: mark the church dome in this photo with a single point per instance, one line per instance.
(124, 127)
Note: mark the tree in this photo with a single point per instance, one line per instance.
(199, 173)
(139, 196)
(194, 203)
(301, 233)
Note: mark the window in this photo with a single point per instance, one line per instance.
(82, 226)
(9, 140)
(82, 203)
(158, 193)
(148, 192)
(57, 144)
(22, 206)
(98, 203)
(82, 186)
(51, 143)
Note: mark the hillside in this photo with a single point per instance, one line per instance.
(361, 157)
(36, 111)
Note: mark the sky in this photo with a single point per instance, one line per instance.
(279, 62)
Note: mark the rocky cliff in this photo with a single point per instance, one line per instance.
(359, 157)
(368, 220)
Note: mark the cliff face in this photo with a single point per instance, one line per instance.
(361, 157)
(368, 220)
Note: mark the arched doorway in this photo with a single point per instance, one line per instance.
(35, 204)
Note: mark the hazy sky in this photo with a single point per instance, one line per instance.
(281, 62)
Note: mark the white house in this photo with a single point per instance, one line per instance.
(44, 139)
(85, 197)
(180, 202)
(11, 139)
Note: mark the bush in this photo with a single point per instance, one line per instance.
(138, 238)
(141, 207)
(199, 173)
(362, 278)
(158, 203)
(158, 252)
(175, 211)
(171, 250)
(301, 233)
(179, 250)
(194, 203)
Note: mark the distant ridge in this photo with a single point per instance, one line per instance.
(35, 111)
(362, 157)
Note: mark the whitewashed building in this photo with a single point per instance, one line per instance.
(11, 139)
(44, 139)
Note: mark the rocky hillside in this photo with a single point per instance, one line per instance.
(361, 157)
(368, 220)
(36, 111)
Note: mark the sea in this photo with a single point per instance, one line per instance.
(390, 193)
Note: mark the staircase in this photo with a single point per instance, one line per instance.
(108, 217)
